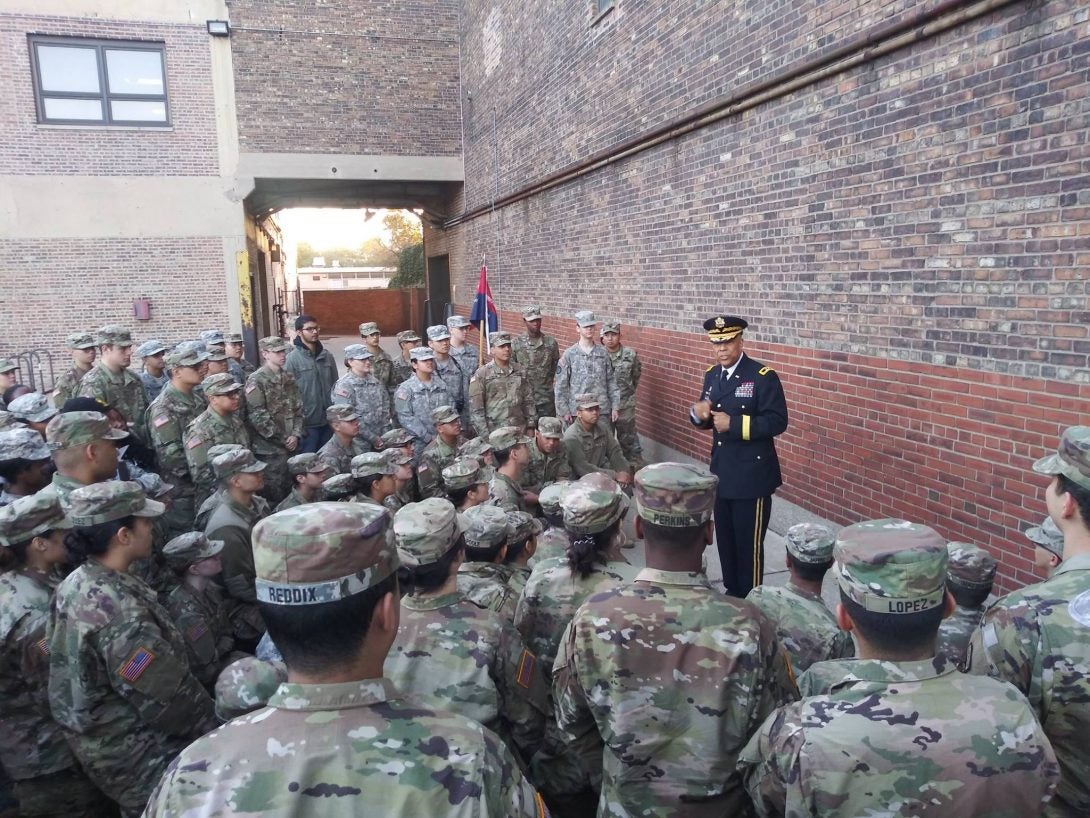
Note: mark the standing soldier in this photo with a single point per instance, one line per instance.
(626, 370)
(969, 576)
(402, 364)
(440, 452)
(315, 372)
(548, 458)
(381, 365)
(238, 366)
(499, 392)
(447, 369)
(361, 390)
(465, 355)
(418, 397)
(346, 442)
(218, 424)
(169, 416)
(585, 369)
(153, 375)
(113, 383)
(240, 474)
(67, 385)
(274, 411)
(539, 355)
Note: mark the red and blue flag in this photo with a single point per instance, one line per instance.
(484, 316)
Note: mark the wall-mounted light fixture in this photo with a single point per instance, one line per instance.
(219, 28)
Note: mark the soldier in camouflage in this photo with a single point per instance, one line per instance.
(374, 473)
(382, 368)
(24, 457)
(242, 476)
(512, 452)
(33, 410)
(339, 487)
(970, 571)
(216, 498)
(672, 721)
(538, 354)
(590, 444)
(1048, 546)
(403, 477)
(119, 682)
(375, 750)
(9, 371)
(451, 652)
(113, 383)
(1035, 638)
(308, 471)
(362, 391)
(346, 442)
(274, 411)
(805, 626)
(548, 458)
(418, 397)
(466, 355)
(440, 452)
(153, 373)
(522, 533)
(554, 540)
(891, 735)
(448, 371)
(465, 482)
(483, 576)
(584, 369)
(217, 425)
(237, 364)
(82, 345)
(499, 392)
(84, 451)
(403, 364)
(626, 370)
(408, 492)
(246, 685)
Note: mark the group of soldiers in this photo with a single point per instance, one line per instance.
(231, 590)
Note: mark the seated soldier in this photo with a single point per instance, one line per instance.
(483, 576)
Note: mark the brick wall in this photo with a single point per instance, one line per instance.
(366, 77)
(909, 240)
(340, 312)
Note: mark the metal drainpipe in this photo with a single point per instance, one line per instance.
(876, 43)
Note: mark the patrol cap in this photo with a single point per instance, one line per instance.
(150, 348)
(212, 337)
(306, 463)
(339, 486)
(407, 335)
(723, 328)
(220, 384)
(80, 340)
(587, 400)
(357, 352)
(216, 352)
(114, 335)
(368, 328)
(7, 365)
(1072, 459)
(155, 486)
(322, 552)
(475, 447)
(82, 404)
(273, 343)
(397, 457)
(247, 684)
(588, 510)
(186, 549)
(371, 464)
(485, 526)
(675, 495)
(444, 414)
(113, 500)
(585, 318)
(33, 407)
(499, 339)
(223, 448)
(187, 353)
(421, 354)
(27, 517)
(79, 428)
(465, 472)
(425, 531)
(238, 461)
(439, 332)
(550, 497)
(21, 442)
(1048, 536)
(599, 480)
(459, 321)
(396, 437)
(550, 427)
(969, 566)
(521, 526)
(232, 338)
(340, 411)
(531, 312)
(810, 543)
(610, 326)
(891, 566)
(507, 437)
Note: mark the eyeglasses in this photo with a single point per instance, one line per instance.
(312, 329)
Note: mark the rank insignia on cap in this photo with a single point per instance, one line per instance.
(720, 322)
(136, 664)
(527, 664)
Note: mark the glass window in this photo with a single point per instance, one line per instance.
(131, 110)
(86, 110)
(135, 72)
(73, 70)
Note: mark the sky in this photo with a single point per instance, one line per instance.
(326, 227)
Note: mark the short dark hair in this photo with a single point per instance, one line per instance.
(10, 470)
(458, 496)
(968, 597)
(314, 638)
(93, 540)
(302, 319)
(1082, 496)
(424, 578)
(671, 536)
(501, 456)
(475, 554)
(514, 550)
(810, 571)
(894, 634)
(364, 484)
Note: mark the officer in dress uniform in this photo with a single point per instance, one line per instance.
(742, 401)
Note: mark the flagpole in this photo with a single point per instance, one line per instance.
(482, 328)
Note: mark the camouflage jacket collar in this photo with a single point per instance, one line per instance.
(98, 572)
(362, 693)
(795, 589)
(431, 603)
(1079, 562)
(682, 578)
(881, 672)
(485, 570)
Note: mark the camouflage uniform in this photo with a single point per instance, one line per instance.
(119, 683)
(415, 400)
(583, 372)
(67, 385)
(596, 450)
(485, 583)
(627, 370)
(369, 398)
(500, 397)
(153, 385)
(539, 358)
(274, 413)
(970, 568)
(671, 675)
(208, 430)
(123, 392)
(436, 456)
(899, 738)
(338, 457)
(358, 746)
(232, 523)
(75, 429)
(504, 491)
(246, 685)
(544, 469)
(381, 365)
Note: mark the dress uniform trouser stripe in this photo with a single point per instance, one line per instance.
(757, 542)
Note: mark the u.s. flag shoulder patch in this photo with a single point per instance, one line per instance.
(134, 667)
(197, 631)
(162, 420)
(527, 665)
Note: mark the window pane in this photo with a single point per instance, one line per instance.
(82, 109)
(134, 72)
(66, 68)
(136, 111)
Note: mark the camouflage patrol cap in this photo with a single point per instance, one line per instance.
(810, 543)
(550, 427)
(113, 500)
(588, 510)
(232, 338)
(306, 463)
(220, 384)
(322, 552)
(80, 340)
(217, 352)
(191, 547)
(33, 407)
(340, 412)
(599, 480)
(585, 318)
(891, 566)
(357, 352)
(465, 472)
(969, 566)
(339, 487)
(421, 354)
(223, 448)
(550, 497)
(587, 400)
(531, 312)
(398, 457)
(499, 339)
(506, 437)
(114, 335)
(408, 335)
(371, 464)
(273, 343)
(24, 443)
(475, 447)
(238, 461)
(247, 684)
(521, 526)
(396, 437)
(425, 531)
(80, 428)
(7, 365)
(444, 414)
(368, 328)
(439, 332)
(211, 337)
(187, 353)
(1048, 536)
(150, 348)
(485, 526)
(459, 321)
(610, 326)
(155, 486)
(27, 517)
(1072, 460)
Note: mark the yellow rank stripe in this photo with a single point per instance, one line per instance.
(745, 427)
(757, 542)
(765, 370)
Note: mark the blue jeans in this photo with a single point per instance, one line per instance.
(314, 437)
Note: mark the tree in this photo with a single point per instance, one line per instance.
(410, 267)
(405, 229)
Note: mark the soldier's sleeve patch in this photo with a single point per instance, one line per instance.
(342, 392)
(402, 394)
(196, 632)
(162, 420)
(43, 646)
(423, 467)
(250, 387)
(134, 667)
(527, 666)
(765, 370)
(194, 443)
